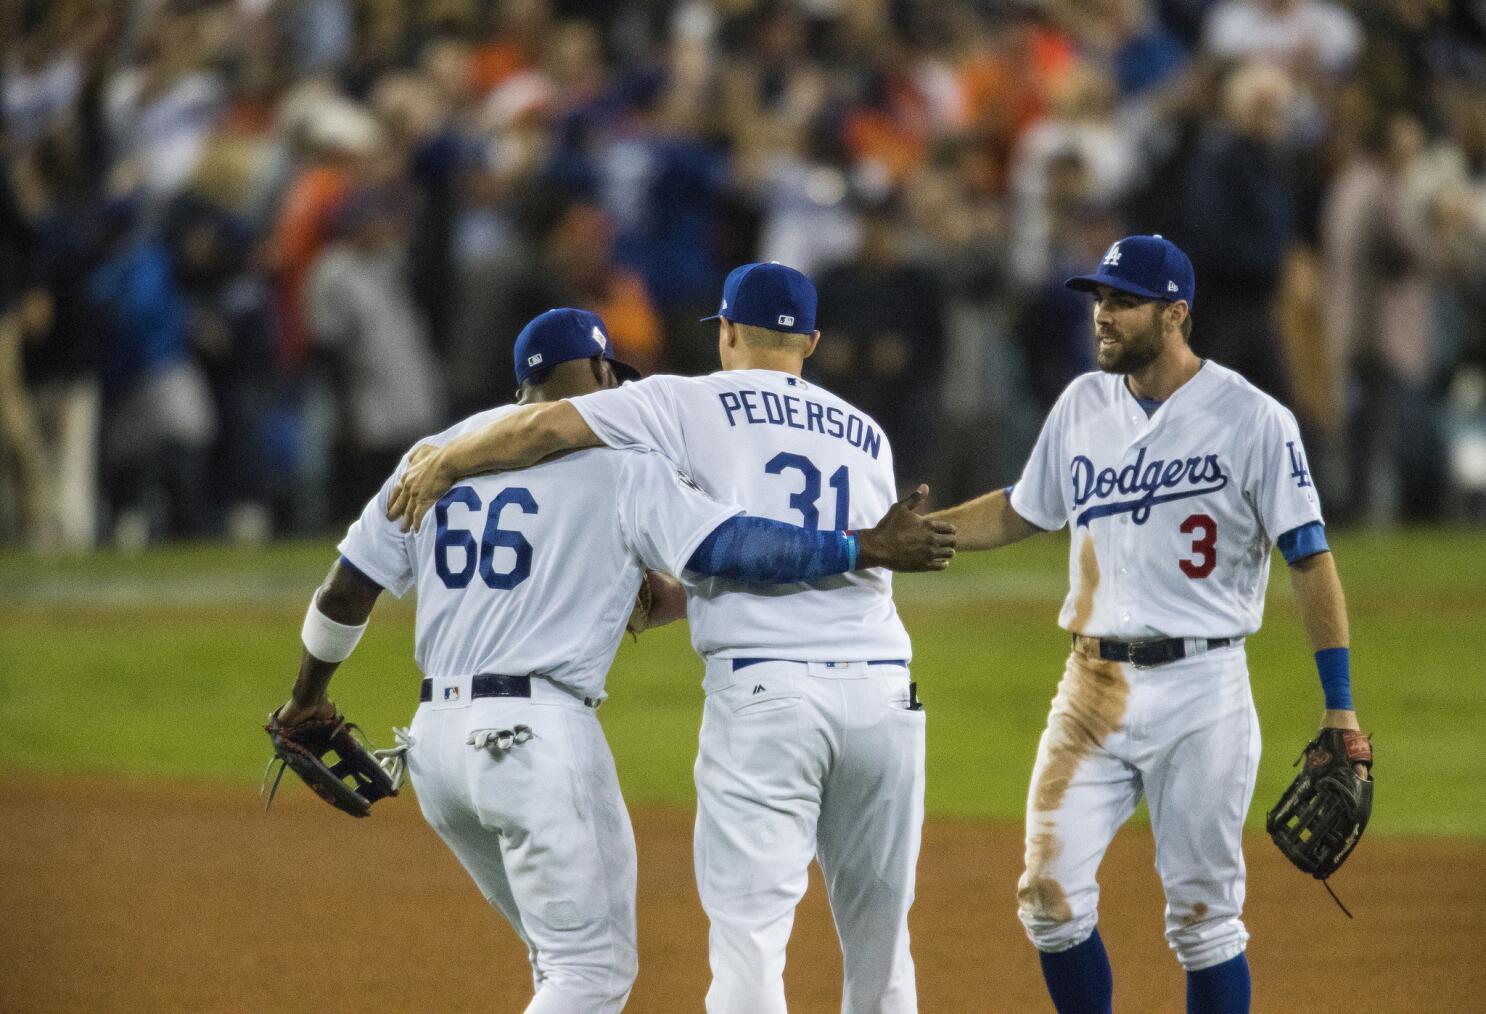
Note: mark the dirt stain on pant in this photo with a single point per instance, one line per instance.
(1198, 913)
(1091, 704)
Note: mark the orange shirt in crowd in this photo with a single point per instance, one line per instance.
(300, 233)
(633, 322)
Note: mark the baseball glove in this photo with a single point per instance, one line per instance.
(353, 783)
(1321, 816)
(639, 617)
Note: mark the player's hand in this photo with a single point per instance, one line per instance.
(293, 713)
(426, 478)
(1334, 719)
(903, 540)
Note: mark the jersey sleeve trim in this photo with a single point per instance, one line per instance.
(375, 574)
(359, 574)
(1303, 542)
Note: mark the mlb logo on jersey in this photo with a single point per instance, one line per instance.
(451, 693)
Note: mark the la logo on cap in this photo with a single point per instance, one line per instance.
(1113, 257)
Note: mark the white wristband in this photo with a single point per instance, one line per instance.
(326, 639)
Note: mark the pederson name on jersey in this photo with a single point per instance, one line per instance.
(765, 408)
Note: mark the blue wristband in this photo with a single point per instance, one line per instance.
(1335, 667)
(851, 550)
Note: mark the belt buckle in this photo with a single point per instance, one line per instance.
(1136, 646)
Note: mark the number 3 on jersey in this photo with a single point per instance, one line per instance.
(1205, 546)
(492, 538)
(804, 500)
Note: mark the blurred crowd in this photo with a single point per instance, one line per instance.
(252, 249)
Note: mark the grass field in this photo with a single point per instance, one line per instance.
(163, 666)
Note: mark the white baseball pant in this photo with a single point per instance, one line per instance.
(1184, 734)
(798, 760)
(543, 830)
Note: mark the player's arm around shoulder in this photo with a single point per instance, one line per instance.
(515, 440)
(987, 522)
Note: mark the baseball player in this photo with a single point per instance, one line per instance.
(812, 738)
(525, 583)
(1175, 477)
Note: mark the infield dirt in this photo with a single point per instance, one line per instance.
(127, 896)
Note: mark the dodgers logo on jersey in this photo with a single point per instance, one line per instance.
(1298, 471)
(1184, 477)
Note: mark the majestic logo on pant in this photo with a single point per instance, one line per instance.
(1298, 471)
(1184, 477)
(758, 688)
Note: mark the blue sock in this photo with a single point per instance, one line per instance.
(1079, 979)
(1221, 989)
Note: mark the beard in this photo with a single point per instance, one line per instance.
(1129, 351)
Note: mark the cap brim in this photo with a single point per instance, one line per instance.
(1088, 283)
(624, 371)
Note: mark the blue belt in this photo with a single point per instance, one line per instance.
(744, 663)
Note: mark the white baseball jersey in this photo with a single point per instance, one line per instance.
(784, 449)
(534, 571)
(1182, 507)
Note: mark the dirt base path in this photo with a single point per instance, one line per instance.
(120, 896)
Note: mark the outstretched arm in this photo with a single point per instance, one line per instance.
(987, 522)
(517, 440)
(760, 551)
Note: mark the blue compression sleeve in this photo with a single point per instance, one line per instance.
(1299, 543)
(1335, 667)
(760, 551)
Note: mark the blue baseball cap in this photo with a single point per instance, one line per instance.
(563, 334)
(1148, 266)
(770, 295)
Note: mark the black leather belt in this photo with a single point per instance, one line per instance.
(490, 684)
(486, 684)
(1144, 654)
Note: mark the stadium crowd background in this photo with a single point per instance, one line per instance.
(253, 249)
